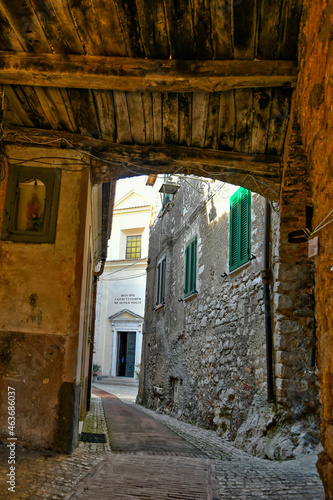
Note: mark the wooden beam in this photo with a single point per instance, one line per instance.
(110, 161)
(129, 74)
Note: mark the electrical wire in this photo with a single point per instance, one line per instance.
(321, 224)
(191, 219)
(126, 267)
(125, 277)
(41, 160)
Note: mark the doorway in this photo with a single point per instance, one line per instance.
(126, 354)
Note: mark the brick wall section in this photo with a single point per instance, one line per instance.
(314, 97)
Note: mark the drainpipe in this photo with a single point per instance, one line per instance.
(92, 328)
(266, 276)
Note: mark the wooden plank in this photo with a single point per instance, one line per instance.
(122, 118)
(162, 157)
(85, 18)
(170, 118)
(58, 26)
(128, 19)
(8, 39)
(84, 112)
(244, 120)
(289, 28)
(71, 119)
(227, 120)
(157, 117)
(239, 168)
(147, 102)
(212, 128)
(199, 118)
(16, 112)
(262, 99)
(153, 29)
(24, 22)
(202, 29)
(54, 108)
(268, 31)
(278, 121)
(119, 73)
(221, 19)
(245, 22)
(185, 118)
(180, 29)
(111, 33)
(106, 114)
(29, 99)
(136, 115)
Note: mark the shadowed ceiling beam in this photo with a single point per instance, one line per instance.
(128, 74)
(110, 161)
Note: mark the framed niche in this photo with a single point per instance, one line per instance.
(31, 206)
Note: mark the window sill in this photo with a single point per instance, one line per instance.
(191, 296)
(159, 307)
(240, 268)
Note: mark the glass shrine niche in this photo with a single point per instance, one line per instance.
(31, 205)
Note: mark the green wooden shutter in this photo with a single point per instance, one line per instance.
(244, 226)
(190, 267)
(233, 253)
(187, 270)
(240, 228)
(158, 283)
(193, 265)
(162, 297)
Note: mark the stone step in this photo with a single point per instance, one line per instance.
(133, 382)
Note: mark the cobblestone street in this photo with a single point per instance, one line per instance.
(215, 470)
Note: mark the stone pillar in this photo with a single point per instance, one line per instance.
(294, 327)
(40, 295)
(314, 97)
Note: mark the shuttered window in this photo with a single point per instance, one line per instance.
(160, 285)
(240, 228)
(190, 267)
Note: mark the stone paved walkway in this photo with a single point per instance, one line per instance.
(239, 476)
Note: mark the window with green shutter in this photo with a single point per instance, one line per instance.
(160, 284)
(190, 267)
(240, 228)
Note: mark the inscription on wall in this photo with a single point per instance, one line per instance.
(127, 299)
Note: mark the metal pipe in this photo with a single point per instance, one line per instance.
(92, 329)
(266, 275)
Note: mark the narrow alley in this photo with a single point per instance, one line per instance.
(154, 456)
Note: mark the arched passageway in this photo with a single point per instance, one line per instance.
(176, 118)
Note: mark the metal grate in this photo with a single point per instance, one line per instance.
(90, 437)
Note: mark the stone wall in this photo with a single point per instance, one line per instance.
(205, 358)
(313, 109)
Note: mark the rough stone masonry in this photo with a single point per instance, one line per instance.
(204, 356)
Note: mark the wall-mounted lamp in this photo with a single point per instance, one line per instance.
(168, 190)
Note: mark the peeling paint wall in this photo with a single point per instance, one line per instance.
(41, 300)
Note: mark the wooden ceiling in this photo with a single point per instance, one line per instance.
(201, 86)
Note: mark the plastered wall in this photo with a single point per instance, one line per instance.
(40, 297)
